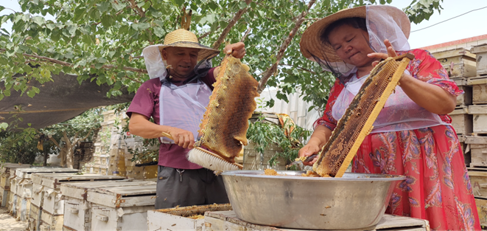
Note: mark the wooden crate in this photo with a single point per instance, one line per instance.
(77, 210)
(227, 220)
(479, 113)
(481, 57)
(466, 98)
(465, 150)
(183, 218)
(121, 208)
(478, 150)
(482, 210)
(34, 218)
(462, 121)
(478, 180)
(479, 89)
(458, 62)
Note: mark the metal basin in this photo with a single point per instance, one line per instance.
(354, 201)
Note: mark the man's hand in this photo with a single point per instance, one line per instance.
(236, 49)
(308, 150)
(182, 137)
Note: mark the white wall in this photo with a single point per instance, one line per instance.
(297, 108)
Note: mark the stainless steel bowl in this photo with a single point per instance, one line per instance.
(354, 201)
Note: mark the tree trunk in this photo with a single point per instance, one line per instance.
(46, 155)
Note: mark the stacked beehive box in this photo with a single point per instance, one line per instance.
(461, 65)
(7, 172)
(111, 155)
(22, 189)
(47, 200)
(477, 141)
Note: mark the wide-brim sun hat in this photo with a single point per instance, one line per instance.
(156, 67)
(312, 47)
(185, 39)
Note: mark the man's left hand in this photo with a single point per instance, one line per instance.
(236, 49)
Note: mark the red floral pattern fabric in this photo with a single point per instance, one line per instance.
(437, 187)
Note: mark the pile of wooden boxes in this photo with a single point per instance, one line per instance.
(7, 172)
(468, 68)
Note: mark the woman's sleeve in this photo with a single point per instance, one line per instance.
(327, 119)
(427, 68)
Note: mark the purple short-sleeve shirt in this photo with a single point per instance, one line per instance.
(146, 102)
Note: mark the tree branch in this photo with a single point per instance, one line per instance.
(304, 69)
(55, 142)
(63, 63)
(134, 7)
(232, 22)
(273, 68)
(207, 33)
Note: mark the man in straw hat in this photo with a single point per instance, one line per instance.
(412, 135)
(176, 97)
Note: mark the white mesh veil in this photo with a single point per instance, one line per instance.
(380, 26)
(156, 68)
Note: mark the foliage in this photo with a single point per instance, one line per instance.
(101, 41)
(22, 146)
(263, 134)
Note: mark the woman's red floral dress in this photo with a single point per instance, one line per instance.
(437, 187)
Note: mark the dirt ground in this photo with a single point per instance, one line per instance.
(9, 223)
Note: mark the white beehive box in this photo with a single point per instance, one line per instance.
(481, 52)
(479, 89)
(466, 98)
(121, 208)
(458, 62)
(478, 150)
(478, 180)
(48, 197)
(77, 210)
(5, 179)
(479, 113)
(462, 121)
(227, 220)
(183, 218)
(24, 185)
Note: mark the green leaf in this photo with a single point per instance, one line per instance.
(38, 20)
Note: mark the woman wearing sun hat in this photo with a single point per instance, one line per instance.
(412, 135)
(175, 98)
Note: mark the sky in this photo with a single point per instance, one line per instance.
(456, 27)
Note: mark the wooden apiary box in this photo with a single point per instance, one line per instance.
(462, 121)
(34, 218)
(481, 57)
(465, 149)
(47, 194)
(7, 173)
(482, 210)
(77, 210)
(478, 150)
(183, 218)
(121, 208)
(24, 187)
(458, 62)
(479, 117)
(479, 89)
(227, 220)
(478, 180)
(466, 98)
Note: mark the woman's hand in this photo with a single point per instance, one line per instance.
(379, 56)
(236, 49)
(308, 150)
(182, 137)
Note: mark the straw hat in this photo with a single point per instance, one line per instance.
(312, 46)
(186, 39)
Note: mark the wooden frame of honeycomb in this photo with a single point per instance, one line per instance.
(224, 126)
(358, 119)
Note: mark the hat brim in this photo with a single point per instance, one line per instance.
(312, 47)
(204, 53)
